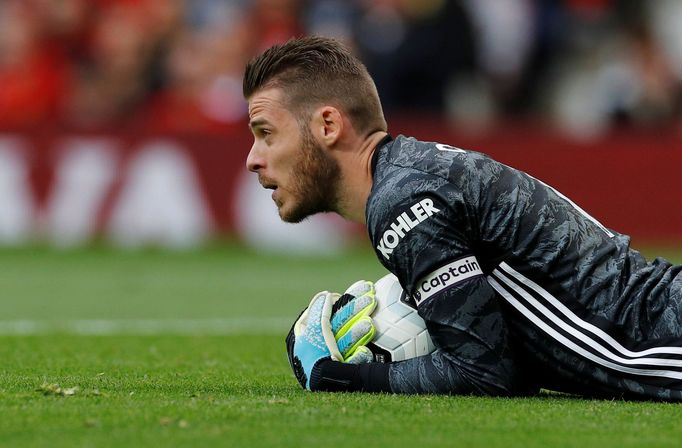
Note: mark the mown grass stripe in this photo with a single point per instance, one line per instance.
(216, 326)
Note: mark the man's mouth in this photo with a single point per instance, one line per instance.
(269, 185)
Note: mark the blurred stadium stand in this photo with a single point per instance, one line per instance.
(138, 104)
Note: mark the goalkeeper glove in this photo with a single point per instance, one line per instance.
(351, 322)
(332, 327)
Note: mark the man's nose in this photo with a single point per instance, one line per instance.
(254, 161)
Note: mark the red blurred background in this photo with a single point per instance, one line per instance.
(585, 94)
(173, 65)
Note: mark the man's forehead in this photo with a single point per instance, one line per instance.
(266, 101)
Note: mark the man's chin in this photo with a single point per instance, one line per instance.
(294, 215)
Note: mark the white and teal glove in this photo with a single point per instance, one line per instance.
(332, 327)
(351, 322)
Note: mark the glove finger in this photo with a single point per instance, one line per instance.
(357, 289)
(361, 333)
(316, 303)
(361, 355)
(358, 300)
(344, 318)
(360, 288)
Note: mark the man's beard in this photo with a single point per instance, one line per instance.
(315, 177)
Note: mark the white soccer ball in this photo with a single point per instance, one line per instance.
(400, 332)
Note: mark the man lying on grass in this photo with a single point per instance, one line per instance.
(558, 300)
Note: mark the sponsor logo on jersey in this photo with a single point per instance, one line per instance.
(405, 222)
(446, 276)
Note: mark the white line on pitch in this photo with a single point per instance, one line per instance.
(218, 326)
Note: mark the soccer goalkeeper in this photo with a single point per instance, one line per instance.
(556, 300)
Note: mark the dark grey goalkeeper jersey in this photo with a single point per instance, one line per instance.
(520, 288)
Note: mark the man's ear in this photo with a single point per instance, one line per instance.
(327, 125)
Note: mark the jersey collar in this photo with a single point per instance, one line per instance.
(375, 157)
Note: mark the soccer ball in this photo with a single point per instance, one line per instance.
(400, 332)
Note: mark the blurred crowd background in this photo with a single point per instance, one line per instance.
(584, 66)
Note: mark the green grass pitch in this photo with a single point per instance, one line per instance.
(106, 348)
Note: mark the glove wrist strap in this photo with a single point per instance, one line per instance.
(332, 376)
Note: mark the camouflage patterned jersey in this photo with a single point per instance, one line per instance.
(520, 288)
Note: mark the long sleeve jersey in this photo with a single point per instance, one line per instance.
(519, 287)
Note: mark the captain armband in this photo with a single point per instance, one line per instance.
(446, 277)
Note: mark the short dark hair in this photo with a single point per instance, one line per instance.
(313, 71)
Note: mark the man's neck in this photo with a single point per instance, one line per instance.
(356, 178)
